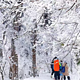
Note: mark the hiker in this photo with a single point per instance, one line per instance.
(52, 67)
(65, 71)
(56, 69)
(61, 74)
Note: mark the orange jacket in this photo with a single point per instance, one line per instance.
(56, 65)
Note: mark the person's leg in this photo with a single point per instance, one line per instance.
(58, 75)
(51, 74)
(55, 75)
(61, 77)
(68, 77)
(64, 77)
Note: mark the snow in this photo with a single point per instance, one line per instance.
(47, 76)
(64, 29)
(41, 77)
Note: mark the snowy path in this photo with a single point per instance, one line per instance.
(47, 77)
(41, 77)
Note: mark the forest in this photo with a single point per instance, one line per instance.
(33, 32)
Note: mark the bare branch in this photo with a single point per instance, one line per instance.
(71, 6)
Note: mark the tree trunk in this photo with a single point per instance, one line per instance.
(14, 63)
(71, 65)
(2, 75)
(1, 71)
(34, 35)
(34, 62)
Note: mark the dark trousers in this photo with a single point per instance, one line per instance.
(57, 75)
(68, 77)
(52, 72)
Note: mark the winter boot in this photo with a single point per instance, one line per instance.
(51, 76)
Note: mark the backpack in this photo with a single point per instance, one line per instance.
(60, 66)
(56, 65)
(63, 69)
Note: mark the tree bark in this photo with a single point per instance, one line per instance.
(34, 35)
(71, 65)
(14, 63)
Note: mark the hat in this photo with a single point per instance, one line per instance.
(61, 61)
(65, 62)
(55, 58)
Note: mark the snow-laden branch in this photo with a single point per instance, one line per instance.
(71, 46)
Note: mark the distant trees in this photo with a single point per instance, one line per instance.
(46, 31)
(1, 66)
(11, 20)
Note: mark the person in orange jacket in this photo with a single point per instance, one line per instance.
(56, 69)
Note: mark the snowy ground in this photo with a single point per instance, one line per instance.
(47, 77)
(41, 77)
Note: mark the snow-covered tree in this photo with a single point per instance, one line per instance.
(48, 28)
